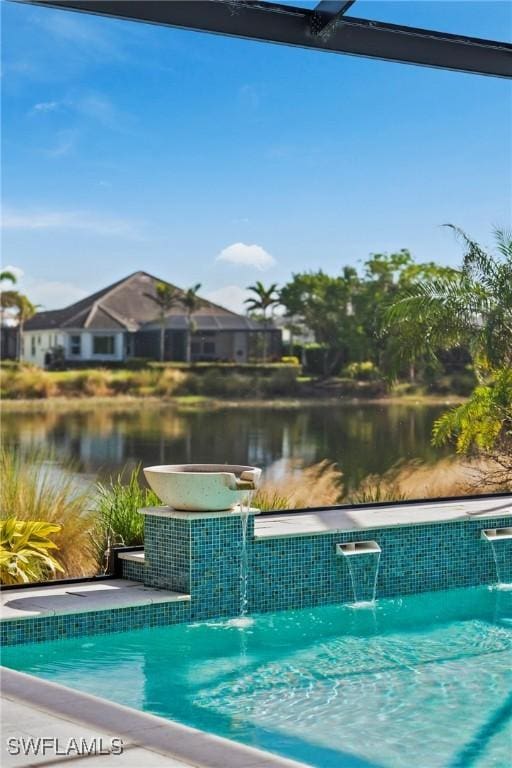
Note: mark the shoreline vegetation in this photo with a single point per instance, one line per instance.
(122, 403)
(214, 385)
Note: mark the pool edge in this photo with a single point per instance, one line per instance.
(167, 737)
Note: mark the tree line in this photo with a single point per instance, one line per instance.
(403, 316)
(402, 313)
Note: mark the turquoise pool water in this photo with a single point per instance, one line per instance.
(421, 681)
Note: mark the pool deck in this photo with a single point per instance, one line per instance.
(81, 597)
(32, 707)
(344, 520)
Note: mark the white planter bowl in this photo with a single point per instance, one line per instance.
(202, 487)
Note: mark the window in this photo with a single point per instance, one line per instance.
(75, 345)
(204, 345)
(33, 346)
(103, 345)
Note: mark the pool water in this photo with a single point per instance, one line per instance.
(423, 681)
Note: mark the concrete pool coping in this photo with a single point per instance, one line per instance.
(362, 519)
(337, 520)
(139, 730)
(59, 600)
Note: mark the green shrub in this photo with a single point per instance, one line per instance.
(25, 551)
(98, 383)
(170, 382)
(362, 371)
(314, 355)
(118, 504)
(282, 382)
(454, 384)
(290, 360)
(136, 363)
(28, 382)
(34, 488)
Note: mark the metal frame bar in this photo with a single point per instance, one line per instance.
(327, 14)
(288, 25)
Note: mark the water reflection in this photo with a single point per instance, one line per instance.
(362, 439)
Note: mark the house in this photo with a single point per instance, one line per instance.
(122, 321)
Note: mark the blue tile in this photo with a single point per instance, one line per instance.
(202, 558)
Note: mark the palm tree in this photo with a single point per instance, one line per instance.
(13, 299)
(191, 302)
(473, 308)
(470, 307)
(263, 300)
(8, 298)
(26, 310)
(167, 297)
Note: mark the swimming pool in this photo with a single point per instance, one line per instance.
(424, 680)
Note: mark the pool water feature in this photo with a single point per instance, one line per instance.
(243, 620)
(500, 540)
(422, 680)
(362, 559)
(245, 506)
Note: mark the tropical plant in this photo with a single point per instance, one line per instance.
(166, 297)
(23, 307)
(471, 307)
(7, 275)
(35, 487)
(191, 302)
(263, 300)
(25, 551)
(484, 421)
(117, 505)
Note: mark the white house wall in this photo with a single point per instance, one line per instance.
(37, 343)
(87, 347)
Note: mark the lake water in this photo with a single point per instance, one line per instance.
(361, 439)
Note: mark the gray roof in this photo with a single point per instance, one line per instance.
(127, 305)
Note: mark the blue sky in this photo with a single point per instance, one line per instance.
(206, 159)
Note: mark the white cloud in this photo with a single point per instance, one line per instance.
(247, 256)
(230, 296)
(52, 294)
(67, 220)
(49, 294)
(45, 106)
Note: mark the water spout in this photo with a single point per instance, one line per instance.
(362, 558)
(500, 540)
(243, 620)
